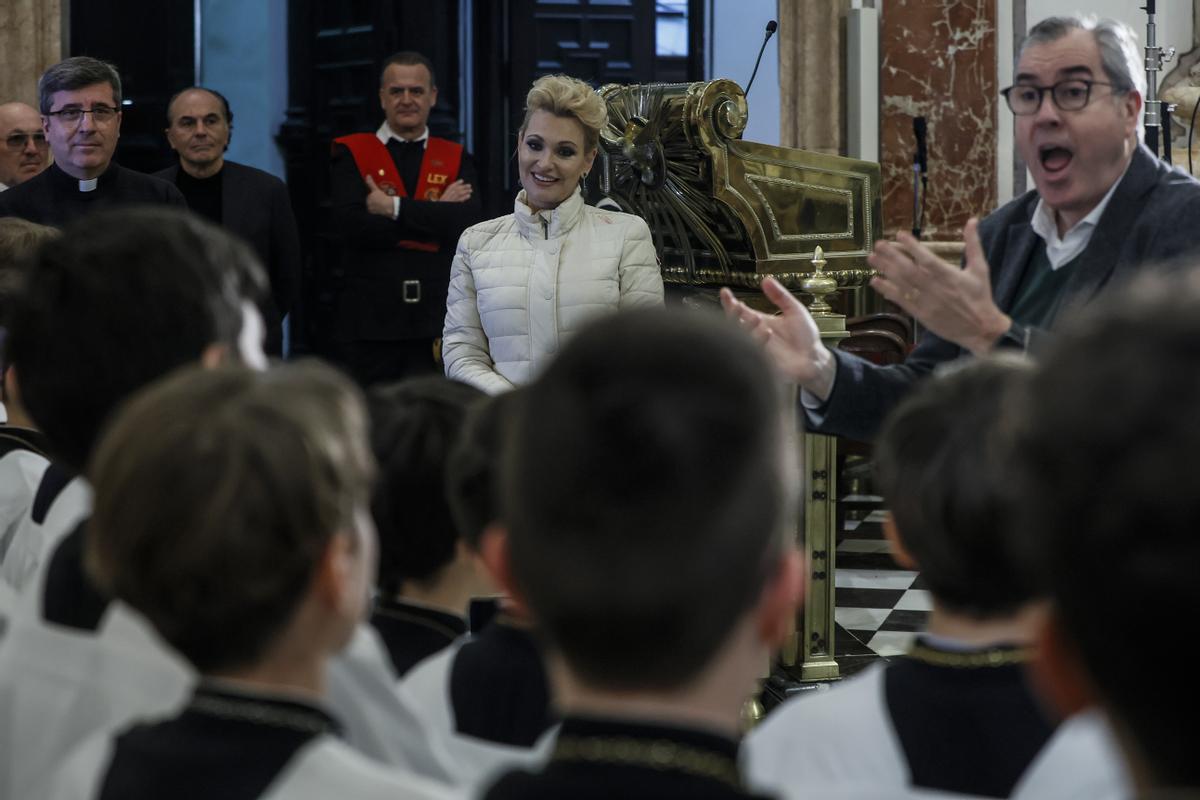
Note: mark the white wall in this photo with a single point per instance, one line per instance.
(244, 57)
(1173, 17)
(736, 29)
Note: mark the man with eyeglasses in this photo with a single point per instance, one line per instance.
(23, 148)
(1103, 206)
(80, 101)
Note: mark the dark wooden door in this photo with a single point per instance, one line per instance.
(152, 68)
(599, 41)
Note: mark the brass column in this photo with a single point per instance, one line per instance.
(810, 651)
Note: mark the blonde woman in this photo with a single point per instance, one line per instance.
(522, 283)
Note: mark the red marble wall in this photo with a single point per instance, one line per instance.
(938, 60)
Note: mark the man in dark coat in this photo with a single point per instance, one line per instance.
(247, 201)
(80, 101)
(400, 198)
(1102, 208)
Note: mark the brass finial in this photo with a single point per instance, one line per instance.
(818, 284)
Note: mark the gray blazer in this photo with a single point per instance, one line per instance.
(1152, 218)
(255, 205)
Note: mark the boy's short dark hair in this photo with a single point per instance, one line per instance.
(473, 470)
(1112, 494)
(123, 297)
(645, 495)
(217, 492)
(942, 460)
(19, 241)
(414, 424)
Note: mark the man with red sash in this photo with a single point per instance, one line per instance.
(400, 200)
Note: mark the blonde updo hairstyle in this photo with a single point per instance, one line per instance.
(565, 96)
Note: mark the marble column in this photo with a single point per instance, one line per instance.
(30, 41)
(938, 60)
(812, 74)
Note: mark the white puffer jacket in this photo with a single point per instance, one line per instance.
(521, 284)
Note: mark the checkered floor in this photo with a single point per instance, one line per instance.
(879, 605)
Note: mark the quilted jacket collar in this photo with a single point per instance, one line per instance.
(559, 221)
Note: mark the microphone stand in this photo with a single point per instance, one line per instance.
(920, 175)
(1155, 58)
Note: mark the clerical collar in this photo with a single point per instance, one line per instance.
(72, 183)
(385, 133)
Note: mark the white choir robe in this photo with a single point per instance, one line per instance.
(376, 719)
(20, 473)
(844, 737)
(59, 686)
(477, 762)
(1082, 762)
(29, 551)
(323, 769)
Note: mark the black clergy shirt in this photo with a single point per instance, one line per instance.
(203, 195)
(55, 198)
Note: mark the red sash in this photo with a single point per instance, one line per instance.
(439, 169)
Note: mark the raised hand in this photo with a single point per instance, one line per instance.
(791, 338)
(954, 303)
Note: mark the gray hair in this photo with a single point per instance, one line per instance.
(76, 73)
(1119, 52)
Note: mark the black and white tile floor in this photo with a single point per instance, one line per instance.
(880, 606)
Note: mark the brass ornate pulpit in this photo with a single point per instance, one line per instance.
(727, 212)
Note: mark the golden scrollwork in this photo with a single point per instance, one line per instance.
(724, 211)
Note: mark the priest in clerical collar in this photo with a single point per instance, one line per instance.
(80, 101)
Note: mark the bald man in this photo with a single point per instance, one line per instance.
(24, 151)
(251, 203)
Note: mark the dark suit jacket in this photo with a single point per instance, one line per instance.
(372, 306)
(1153, 218)
(255, 205)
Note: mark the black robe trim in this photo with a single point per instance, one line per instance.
(498, 686)
(605, 758)
(414, 632)
(225, 744)
(967, 722)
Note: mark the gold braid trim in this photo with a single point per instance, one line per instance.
(996, 657)
(659, 754)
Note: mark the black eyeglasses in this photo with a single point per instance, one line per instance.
(1069, 95)
(16, 141)
(100, 114)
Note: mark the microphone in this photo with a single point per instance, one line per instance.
(772, 26)
(921, 159)
(920, 175)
